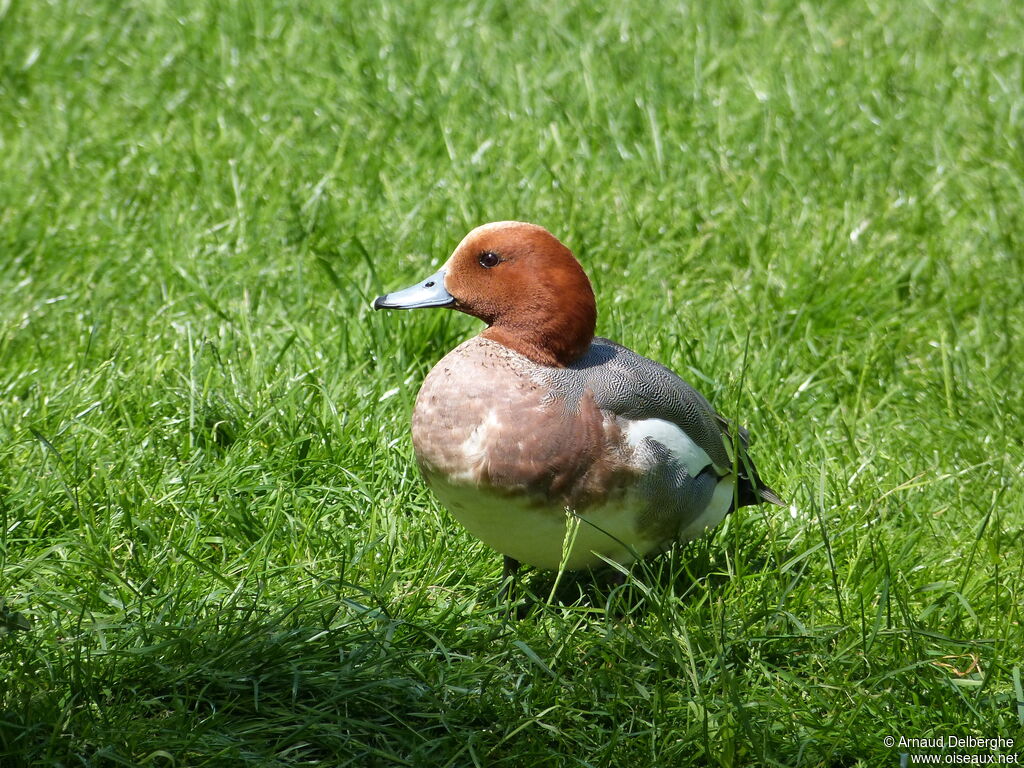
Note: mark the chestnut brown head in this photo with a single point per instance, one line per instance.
(520, 280)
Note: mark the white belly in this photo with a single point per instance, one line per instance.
(539, 536)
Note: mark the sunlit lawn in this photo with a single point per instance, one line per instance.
(215, 547)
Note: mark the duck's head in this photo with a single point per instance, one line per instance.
(520, 280)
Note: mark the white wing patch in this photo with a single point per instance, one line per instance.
(675, 440)
(714, 513)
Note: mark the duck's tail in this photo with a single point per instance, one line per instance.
(766, 494)
(751, 489)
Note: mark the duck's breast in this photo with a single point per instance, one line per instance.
(485, 418)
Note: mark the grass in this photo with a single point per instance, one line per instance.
(215, 548)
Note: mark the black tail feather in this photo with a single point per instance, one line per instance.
(770, 496)
(751, 490)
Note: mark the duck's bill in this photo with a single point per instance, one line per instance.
(430, 293)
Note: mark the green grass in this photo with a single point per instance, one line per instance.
(214, 545)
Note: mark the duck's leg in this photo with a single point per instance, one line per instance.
(616, 578)
(508, 576)
(507, 594)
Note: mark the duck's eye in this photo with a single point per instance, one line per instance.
(488, 259)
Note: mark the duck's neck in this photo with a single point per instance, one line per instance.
(556, 341)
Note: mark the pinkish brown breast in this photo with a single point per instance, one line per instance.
(485, 419)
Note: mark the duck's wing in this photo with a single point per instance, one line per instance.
(636, 388)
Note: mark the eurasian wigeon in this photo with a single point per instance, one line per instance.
(555, 447)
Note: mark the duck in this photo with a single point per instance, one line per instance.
(557, 448)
